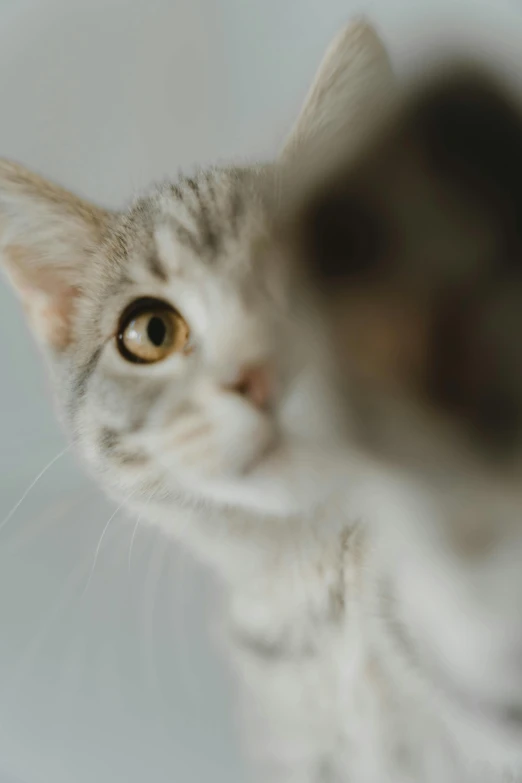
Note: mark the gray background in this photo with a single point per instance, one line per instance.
(107, 671)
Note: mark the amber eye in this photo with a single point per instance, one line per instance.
(151, 330)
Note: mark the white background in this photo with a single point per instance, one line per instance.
(109, 675)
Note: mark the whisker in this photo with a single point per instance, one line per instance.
(32, 485)
(100, 541)
(136, 526)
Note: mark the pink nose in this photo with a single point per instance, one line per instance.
(254, 383)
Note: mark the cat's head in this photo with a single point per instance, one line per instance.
(178, 365)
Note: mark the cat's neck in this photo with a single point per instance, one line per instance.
(285, 579)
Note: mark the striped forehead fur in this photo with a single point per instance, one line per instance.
(204, 212)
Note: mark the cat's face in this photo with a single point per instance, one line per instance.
(178, 373)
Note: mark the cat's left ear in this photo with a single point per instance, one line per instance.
(354, 82)
(47, 236)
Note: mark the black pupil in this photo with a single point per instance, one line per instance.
(156, 331)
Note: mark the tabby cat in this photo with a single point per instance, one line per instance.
(195, 371)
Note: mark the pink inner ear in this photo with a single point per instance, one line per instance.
(47, 295)
(51, 316)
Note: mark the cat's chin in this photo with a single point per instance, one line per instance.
(290, 478)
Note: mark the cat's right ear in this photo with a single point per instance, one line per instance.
(47, 237)
(354, 82)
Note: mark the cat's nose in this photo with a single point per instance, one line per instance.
(256, 384)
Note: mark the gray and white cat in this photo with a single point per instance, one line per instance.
(192, 372)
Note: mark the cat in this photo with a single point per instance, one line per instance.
(194, 373)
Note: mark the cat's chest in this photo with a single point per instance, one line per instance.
(322, 715)
(318, 702)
